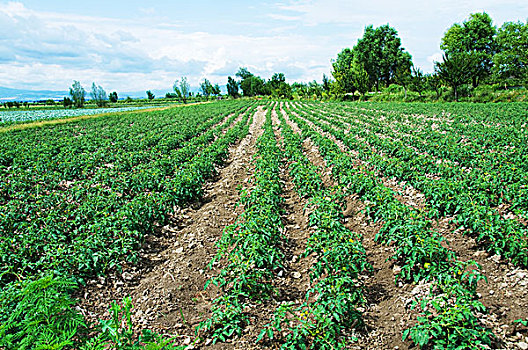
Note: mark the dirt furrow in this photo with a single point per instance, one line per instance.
(167, 287)
(505, 294)
(387, 313)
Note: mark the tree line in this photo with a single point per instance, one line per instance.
(475, 52)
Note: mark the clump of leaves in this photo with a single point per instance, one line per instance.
(41, 314)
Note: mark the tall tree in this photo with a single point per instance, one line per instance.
(326, 83)
(299, 89)
(279, 87)
(314, 89)
(403, 72)
(77, 94)
(66, 102)
(475, 38)
(182, 89)
(418, 80)
(361, 78)
(381, 54)
(232, 87)
(433, 82)
(250, 84)
(150, 95)
(98, 95)
(342, 72)
(113, 97)
(511, 59)
(246, 81)
(455, 70)
(207, 88)
(215, 90)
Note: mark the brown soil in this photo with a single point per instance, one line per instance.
(387, 312)
(167, 287)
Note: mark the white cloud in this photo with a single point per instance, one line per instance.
(14, 10)
(48, 50)
(436, 57)
(284, 17)
(84, 48)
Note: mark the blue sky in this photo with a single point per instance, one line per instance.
(137, 45)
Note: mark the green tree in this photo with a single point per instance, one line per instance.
(315, 89)
(361, 78)
(67, 102)
(150, 95)
(215, 90)
(182, 89)
(455, 70)
(278, 87)
(342, 72)
(434, 83)
(511, 59)
(246, 81)
(475, 37)
(77, 94)
(417, 80)
(98, 95)
(299, 89)
(207, 88)
(113, 97)
(381, 54)
(327, 83)
(250, 84)
(403, 72)
(232, 87)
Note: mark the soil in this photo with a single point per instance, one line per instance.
(167, 287)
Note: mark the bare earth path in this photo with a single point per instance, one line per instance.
(167, 287)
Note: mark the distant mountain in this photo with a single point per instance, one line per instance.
(8, 94)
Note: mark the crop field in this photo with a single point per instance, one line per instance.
(269, 225)
(43, 114)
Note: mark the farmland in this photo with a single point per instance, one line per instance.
(44, 114)
(268, 224)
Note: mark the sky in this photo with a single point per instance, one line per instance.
(138, 45)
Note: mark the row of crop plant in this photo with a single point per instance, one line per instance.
(336, 292)
(250, 249)
(55, 232)
(476, 155)
(449, 313)
(450, 193)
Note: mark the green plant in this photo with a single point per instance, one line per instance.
(40, 316)
(118, 333)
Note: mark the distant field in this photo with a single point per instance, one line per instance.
(32, 115)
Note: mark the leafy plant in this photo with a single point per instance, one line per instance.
(40, 316)
(118, 333)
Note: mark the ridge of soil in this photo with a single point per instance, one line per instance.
(167, 287)
(387, 313)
